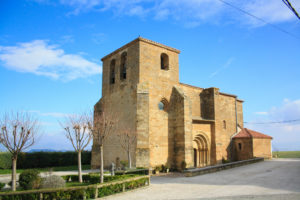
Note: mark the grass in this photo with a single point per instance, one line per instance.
(286, 154)
(64, 168)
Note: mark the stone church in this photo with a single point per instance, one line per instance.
(175, 123)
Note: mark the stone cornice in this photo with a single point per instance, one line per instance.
(143, 40)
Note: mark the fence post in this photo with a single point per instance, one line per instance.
(96, 192)
(41, 196)
(84, 195)
(123, 189)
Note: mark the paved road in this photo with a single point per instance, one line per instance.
(276, 179)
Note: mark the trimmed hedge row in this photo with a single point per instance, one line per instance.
(95, 178)
(79, 192)
(44, 159)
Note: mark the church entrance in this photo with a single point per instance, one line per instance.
(201, 151)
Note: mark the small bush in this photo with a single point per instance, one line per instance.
(53, 182)
(86, 178)
(74, 178)
(2, 185)
(124, 164)
(30, 179)
(66, 178)
(224, 161)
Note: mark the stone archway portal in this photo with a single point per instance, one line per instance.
(201, 153)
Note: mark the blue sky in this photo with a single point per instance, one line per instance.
(50, 55)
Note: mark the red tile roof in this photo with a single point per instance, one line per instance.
(247, 133)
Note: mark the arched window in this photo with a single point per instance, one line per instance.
(240, 146)
(224, 124)
(163, 104)
(164, 61)
(112, 71)
(123, 67)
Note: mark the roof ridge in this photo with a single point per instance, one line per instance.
(248, 132)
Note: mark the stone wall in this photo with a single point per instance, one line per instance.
(243, 148)
(262, 148)
(164, 136)
(160, 84)
(119, 100)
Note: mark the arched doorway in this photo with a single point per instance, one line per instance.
(201, 151)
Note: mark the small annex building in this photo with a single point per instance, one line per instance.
(249, 144)
(175, 123)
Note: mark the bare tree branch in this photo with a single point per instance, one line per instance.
(127, 138)
(18, 132)
(78, 134)
(104, 125)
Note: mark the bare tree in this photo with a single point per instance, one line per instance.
(18, 133)
(104, 125)
(79, 134)
(127, 139)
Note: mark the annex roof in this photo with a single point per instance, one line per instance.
(247, 133)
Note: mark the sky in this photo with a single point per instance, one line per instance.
(50, 55)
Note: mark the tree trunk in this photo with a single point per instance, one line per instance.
(101, 164)
(14, 173)
(79, 167)
(129, 159)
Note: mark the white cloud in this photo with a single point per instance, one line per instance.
(40, 58)
(286, 136)
(191, 12)
(272, 11)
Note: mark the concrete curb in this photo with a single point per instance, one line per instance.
(211, 169)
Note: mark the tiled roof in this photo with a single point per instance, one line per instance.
(247, 133)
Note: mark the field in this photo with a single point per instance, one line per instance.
(286, 154)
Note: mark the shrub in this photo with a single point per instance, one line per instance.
(111, 189)
(2, 185)
(5, 160)
(135, 184)
(158, 168)
(53, 181)
(66, 178)
(74, 178)
(124, 164)
(224, 161)
(30, 179)
(86, 178)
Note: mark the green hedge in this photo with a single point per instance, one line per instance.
(80, 192)
(5, 160)
(133, 171)
(44, 159)
(94, 178)
(51, 159)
